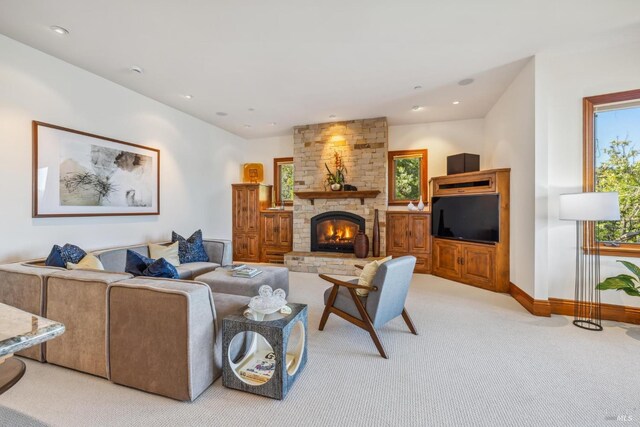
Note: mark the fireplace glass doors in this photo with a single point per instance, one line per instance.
(335, 231)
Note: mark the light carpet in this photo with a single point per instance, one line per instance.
(480, 359)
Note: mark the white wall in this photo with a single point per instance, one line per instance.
(264, 150)
(509, 143)
(198, 160)
(563, 78)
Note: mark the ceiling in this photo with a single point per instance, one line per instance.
(292, 62)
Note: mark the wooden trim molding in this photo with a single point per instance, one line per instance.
(424, 190)
(537, 307)
(618, 313)
(276, 179)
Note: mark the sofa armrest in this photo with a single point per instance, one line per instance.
(219, 251)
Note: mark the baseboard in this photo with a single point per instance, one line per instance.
(537, 307)
(618, 313)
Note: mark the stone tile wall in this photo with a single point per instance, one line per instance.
(363, 147)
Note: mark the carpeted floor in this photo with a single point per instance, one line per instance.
(480, 359)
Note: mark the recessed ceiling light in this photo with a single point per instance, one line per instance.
(59, 30)
(247, 126)
(332, 116)
(456, 102)
(416, 108)
(136, 69)
(251, 109)
(272, 124)
(417, 87)
(465, 82)
(188, 96)
(221, 113)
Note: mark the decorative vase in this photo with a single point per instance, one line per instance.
(376, 234)
(336, 187)
(411, 206)
(361, 245)
(421, 204)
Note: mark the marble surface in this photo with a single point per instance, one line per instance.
(20, 330)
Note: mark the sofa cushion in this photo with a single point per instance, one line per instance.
(55, 258)
(166, 251)
(193, 269)
(115, 259)
(89, 261)
(161, 268)
(191, 249)
(136, 263)
(60, 256)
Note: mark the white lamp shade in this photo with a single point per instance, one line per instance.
(590, 207)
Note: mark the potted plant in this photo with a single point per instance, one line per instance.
(336, 179)
(624, 282)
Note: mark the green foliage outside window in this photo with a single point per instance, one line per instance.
(286, 181)
(407, 178)
(620, 171)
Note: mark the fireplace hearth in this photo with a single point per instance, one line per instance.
(335, 231)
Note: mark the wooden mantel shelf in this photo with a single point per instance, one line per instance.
(312, 195)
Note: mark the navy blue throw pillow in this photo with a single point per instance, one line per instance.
(55, 258)
(191, 249)
(161, 268)
(136, 263)
(72, 253)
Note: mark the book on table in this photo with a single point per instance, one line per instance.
(246, 272)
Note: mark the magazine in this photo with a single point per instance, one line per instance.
(261, 366)
(246, 272)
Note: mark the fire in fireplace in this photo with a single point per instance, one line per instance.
(335, 231)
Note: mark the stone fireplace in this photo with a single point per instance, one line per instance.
(363, 147)
(335, 231)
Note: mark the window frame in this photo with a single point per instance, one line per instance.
(589, 105)
(424, 188)
(276, 179)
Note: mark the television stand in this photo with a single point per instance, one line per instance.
(485, 265)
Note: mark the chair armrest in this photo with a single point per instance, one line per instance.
(346, 284)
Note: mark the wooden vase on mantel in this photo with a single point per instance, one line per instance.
(361, 245)
(376, 234)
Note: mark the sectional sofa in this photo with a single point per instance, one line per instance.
(158, 335)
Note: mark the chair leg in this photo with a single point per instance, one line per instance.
(326, 312)
(368, 325)
(408, 321)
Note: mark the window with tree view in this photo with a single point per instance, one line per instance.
(283, 180)
(614, 159)
(407, 176)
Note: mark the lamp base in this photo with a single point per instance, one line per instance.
(588, 325)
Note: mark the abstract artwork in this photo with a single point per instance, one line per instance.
(80, 174)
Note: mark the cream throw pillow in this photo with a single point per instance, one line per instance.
(88, 262)
(367, 275)
(169, 252)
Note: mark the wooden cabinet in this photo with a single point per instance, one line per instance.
(471, 263)
(409, 233)
(247, 202)
(477, 264)
(276, 235)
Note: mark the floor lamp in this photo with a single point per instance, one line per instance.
(586, 209)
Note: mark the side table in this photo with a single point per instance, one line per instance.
(264, 357)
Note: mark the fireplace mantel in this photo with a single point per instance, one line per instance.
(312, 195)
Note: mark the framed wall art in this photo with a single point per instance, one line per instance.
(80, 174)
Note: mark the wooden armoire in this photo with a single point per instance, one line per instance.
(248, 201)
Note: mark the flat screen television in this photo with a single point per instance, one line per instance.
(475, 218)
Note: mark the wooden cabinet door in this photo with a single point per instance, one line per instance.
(397, 233)
(253, 209)
(239, 208)
(253, 247)
(478, 265)
(239, 247)
(446, 258)
(285, 229)
(268, 229)
(419, 234)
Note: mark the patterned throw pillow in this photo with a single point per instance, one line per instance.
(60, 256)
(136, 263)
(161, 268)
(191, 249)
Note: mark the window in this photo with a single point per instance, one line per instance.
(612, 163)
(283, 180)
(407, 176)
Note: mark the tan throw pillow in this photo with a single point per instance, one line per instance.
(88, 262)
(368, 273)
(168, 252)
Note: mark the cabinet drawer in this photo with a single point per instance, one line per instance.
(274, 255)
(423, 264)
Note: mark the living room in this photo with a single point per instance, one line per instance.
(224, 96)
